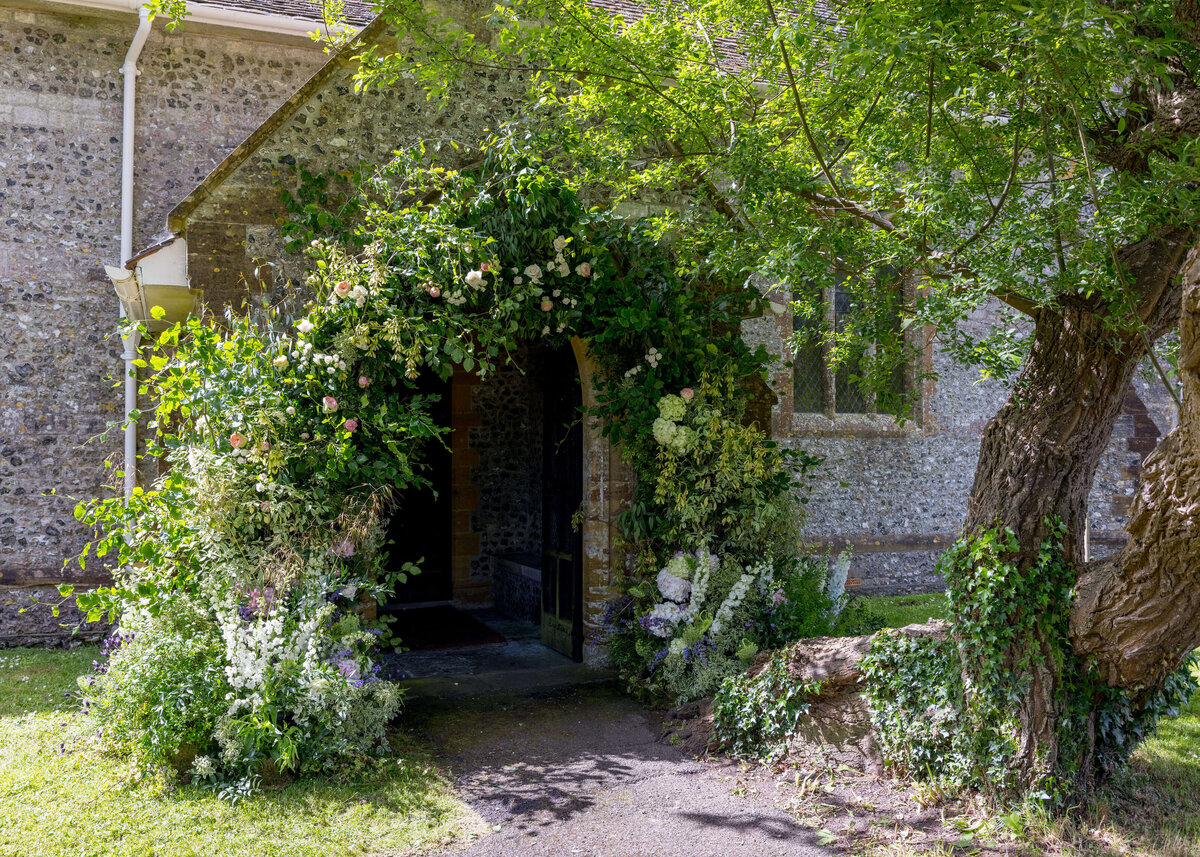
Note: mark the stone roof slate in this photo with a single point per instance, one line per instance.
(355, 11)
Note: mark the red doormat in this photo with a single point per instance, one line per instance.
(442, 627)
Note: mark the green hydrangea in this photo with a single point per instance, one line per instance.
(672, 407)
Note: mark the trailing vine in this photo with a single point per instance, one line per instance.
(754, 716)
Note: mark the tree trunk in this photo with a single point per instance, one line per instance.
(1039, 454)
(1137, 613)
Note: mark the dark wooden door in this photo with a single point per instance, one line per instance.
(562, 495)
(420, 524)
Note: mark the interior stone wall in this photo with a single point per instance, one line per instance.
(508, 476)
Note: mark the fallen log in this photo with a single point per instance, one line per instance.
(837, 726)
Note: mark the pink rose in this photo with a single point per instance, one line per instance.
(237, 441)
(351, 425)
(687, 392)
(547, 305)
(266, 446)
(364, 381)
(435, 292)
(485, 267)
(304, 435)
(342, 287)
(584, 269)
(330, 404)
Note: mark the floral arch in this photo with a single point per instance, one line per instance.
(241, 575)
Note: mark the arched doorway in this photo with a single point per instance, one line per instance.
(507, 492)
(420, 531)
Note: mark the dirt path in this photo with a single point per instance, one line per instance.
(584, 774)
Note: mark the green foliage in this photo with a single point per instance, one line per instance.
(876, 147)
(65, 794)
(754, 716)
(161, 695)
(804, 607)
(721, 483)
(286, 435)
(950, 710)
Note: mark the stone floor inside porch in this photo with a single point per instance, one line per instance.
(521, 665)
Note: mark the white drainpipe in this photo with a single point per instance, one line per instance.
(199, 14)
(130, 340)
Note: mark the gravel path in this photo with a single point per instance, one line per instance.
(584, 774)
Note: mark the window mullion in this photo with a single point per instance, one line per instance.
(828, 378)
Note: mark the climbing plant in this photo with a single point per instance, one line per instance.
(945, 709)
(287, 432)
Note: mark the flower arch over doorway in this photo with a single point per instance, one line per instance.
(245, 567)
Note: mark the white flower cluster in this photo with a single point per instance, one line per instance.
(673, 588)
(737, 594)
(343, 290)
(684, 579)
(203, 766)
(666, 428)
(672, 407)
(680, 565)
(288, 657)
(705, 566)
(330, 362)
(664, 617)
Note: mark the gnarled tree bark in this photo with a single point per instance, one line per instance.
(1039, 454)
(1136, 614)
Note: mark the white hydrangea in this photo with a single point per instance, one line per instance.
(665, 617)
(681, 565)
(673, 588)
(676, 437)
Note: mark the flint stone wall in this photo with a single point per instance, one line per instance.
(60, 140)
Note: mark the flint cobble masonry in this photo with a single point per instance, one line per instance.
(60, 141)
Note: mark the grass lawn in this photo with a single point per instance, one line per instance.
(59, 795)
(896, 611)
